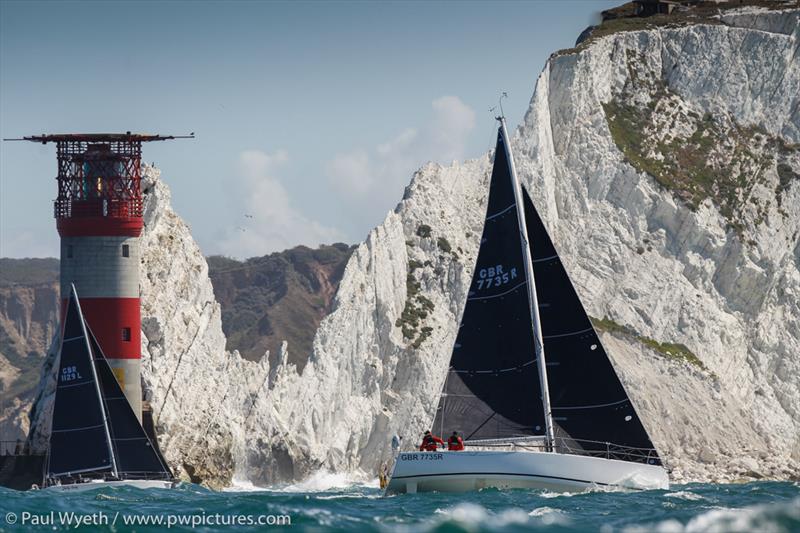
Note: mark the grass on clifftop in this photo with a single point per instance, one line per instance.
(705, 12)
(676, 352)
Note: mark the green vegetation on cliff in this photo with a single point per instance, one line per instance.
(416, 309)
(698, 156)
(677, 352)
(719, 163)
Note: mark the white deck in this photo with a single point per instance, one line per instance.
(99, 484)
(473, 470)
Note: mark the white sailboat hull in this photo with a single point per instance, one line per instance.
(474, 470)
(99, 484)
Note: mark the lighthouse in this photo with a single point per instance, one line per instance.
(98, 214)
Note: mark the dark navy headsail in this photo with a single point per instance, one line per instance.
(589, 404)
(492, 387)
(79, 440)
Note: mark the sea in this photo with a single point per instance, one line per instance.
(329, 502)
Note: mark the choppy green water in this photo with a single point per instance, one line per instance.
(762, 506)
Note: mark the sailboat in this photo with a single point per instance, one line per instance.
(562, 422)
(96, 439)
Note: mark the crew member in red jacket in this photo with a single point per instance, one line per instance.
(430, 442)
(455, 443)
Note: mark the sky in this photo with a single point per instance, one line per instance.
(310, 117)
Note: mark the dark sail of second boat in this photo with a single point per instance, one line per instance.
(95, 433)
(492, 388)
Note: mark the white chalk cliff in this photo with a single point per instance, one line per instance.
(674, 265)
(638, 254)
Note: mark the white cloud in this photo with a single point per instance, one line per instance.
(271, 223)
(353, 171)
(454, 121)
(401, 142)
(372, 180)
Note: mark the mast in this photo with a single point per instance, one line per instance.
(533, 299)
(114, 469)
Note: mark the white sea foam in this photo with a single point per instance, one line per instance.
(471, 514)
(549, 516)
(324, 517)
(242, 485)
(638, 481)
(465, 512)
(548, 494)
(594, 488)
(684, 495)
(324, 481)
(783, 517)
(771, 518)
(356, 496)
(321, 481)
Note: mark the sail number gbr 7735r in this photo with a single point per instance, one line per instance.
(495, 276)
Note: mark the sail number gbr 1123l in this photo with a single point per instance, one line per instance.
(494, 276)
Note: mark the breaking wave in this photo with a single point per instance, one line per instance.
(472, 514)
(322, 481)
(684, 495)
(765, 518)
(343, 503)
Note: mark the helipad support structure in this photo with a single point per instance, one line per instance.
(98, 214)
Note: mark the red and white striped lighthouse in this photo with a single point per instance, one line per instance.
(98, 213)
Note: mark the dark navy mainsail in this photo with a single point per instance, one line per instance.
(79, 441)
(492, 386)
(135, 454)
(589, 404)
